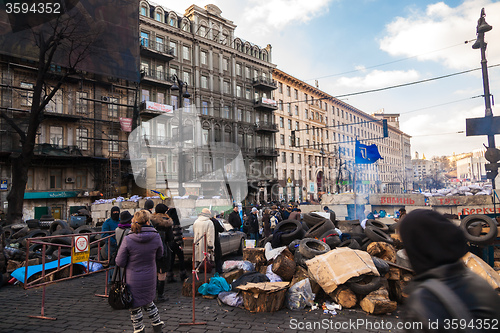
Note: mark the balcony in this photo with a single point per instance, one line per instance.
(266, 152)
(161, 142)
(266, 104)
(61, 116)
(264, 83)
(156, 50)
(155, 109)
(157, 78)
(56, 150)
(263, 127)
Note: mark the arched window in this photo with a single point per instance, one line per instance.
(172, 20)
(202, 30)
(264, 55)
(159, 15)
(186, 25)
(144, 9)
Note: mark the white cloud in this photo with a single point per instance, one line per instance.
(438, 28)
(272, 15)
(378, 79)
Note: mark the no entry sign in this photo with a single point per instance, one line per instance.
(81, 250)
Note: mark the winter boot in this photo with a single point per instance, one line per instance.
(160, 289)
(158, 328)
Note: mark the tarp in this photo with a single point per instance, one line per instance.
(19, 273)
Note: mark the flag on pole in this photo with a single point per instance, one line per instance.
(162, 196)
(365, 154)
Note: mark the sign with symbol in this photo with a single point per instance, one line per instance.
(3, 184)
(81, 250)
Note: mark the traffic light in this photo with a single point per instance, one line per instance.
(384, 127)
(491, 170)
(293, 138)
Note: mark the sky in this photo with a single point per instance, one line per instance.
(353, 46)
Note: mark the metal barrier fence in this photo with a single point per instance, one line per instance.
(76, 240)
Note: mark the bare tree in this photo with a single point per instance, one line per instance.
(64, 40)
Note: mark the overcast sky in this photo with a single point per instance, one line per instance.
(351, 46)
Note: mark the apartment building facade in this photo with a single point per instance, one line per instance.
(230, 86)
(316, 142)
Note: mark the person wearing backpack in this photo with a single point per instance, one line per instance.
(444, 290)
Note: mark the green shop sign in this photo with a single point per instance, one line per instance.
(50, 195)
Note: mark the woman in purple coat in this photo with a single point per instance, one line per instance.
(138, 254)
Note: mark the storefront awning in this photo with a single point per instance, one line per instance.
(50, 195)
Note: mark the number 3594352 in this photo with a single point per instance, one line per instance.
(33, 8)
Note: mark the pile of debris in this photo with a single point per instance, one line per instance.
(323, 262)
(462, 190)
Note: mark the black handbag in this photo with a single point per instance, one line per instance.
(120, 297)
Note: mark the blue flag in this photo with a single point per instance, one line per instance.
(366, 154)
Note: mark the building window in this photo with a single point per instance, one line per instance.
(283, 157)
(82, 140)
(248, 93)
(173, 46)
(282, 139)
(113, 142)
(204, 108)
(288, 91)
(238, 69)
(55, 178)
(227, 89)
(203, 31)
(113, 108)
(247, 72)
(289, 124)
(239, 92)
(296, 94)
(31, 179)
(225, 64)
(26, 95)
(299, 160)
(174, 101)
(204, 82)
(290, 142)
(307, 129)
(307, 114)
(144, 10)
(280, 105)
(204, 57)
(240, 115)
(159, 16)
(227, 112)
(172, 20)
(291, 158)
(144, 39)
(186, 77)
(81, 102)
(296, 125)
(81, 178)
(296, 110)
(56, 103)
(280, 87)
(56, 135)
(185, 53)
(282, 122)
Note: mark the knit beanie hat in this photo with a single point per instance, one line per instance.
(149, 204)
(161, 208)
(115, 209)
(431, 240)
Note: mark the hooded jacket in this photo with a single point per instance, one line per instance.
(435, 247)
(138, 253)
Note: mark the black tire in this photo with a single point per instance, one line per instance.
(304, 226)
(319, 229)
(33, 223)
(392, 228)
(7, 232)
(482, 239)
(61, 240)
(364, 245)
(293, 230)
(329, 233)
(354, 226)
(17, 226)
(299, 259)
(85, 229)
(357, 236)
(294, 245)
(332, 241)
(382, 265)
(310, 248)
(377, 224)
(20, 233)
(240, 248)
(46, 218)
(33, 234)
(57, 225)
(377, 235)
(311, 219)
(350, 243)
(368, 284)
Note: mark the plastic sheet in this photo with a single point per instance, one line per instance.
(300, 295)
(273, 277)
(238, 264)
(231, 298)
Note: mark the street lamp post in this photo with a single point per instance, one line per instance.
(180, 86)
(481, 29)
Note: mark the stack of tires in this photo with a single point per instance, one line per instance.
(16, 237)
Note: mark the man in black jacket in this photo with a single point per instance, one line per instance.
(444, 287)
(234, 218)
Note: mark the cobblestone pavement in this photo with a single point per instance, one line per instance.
(77, 309)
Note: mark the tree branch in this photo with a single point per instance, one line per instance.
(14, 126)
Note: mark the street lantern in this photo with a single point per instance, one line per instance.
(181, 87)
